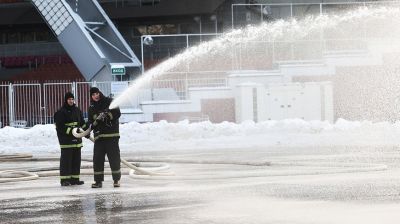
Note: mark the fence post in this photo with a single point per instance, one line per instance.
(41, 112)
(11, 103)
(261, 13)
(73, 88)
(45, 102)
(187, 70)
(142, 49)
(233, 27)
(152, 89)
(320, 9)
(291, 10)
(186, 87)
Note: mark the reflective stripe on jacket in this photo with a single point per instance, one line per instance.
(66, 119)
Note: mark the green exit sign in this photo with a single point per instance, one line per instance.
(118, 70)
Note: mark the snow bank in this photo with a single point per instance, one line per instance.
(183, 135)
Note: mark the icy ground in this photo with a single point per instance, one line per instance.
(289, 171)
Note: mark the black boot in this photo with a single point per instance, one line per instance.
(117, 183)
(65, 182)
(75, 181)
(97, 185)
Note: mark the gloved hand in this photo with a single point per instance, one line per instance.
(89, 127)
(102, 116)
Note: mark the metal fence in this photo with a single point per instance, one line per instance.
(4, 105)
(268, 53)
(27, 104)
(243, 14)
(246, 55)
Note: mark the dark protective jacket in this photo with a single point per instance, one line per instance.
(109, 128)
(67, 118)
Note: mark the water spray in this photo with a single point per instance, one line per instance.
(280, 31)
(220, 49)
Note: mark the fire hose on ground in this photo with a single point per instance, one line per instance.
(137, 170)
(159, 171)
(19, 175)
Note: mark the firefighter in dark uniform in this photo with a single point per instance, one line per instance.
(105, 125)
(69, 116)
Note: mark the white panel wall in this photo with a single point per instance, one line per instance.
(308, 101)
(258, 102)
(244, 107)
(277, 101)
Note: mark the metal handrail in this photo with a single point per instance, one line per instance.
(314, 3)
(302, 4)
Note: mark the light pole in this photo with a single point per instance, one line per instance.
(145, 40)
(215, 19)
(198, 20)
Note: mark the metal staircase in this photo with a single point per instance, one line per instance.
(88, 36)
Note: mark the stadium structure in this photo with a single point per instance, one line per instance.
(50, 47)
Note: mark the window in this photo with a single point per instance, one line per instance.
(27, 37)
(157, 29)
(13, 38)
(42, 36)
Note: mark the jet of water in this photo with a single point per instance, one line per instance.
(279, 31)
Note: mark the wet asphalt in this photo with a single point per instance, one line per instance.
(299, 186)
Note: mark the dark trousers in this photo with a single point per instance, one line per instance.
(109, 147)
(70, 164)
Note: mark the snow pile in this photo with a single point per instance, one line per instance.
(184, 135)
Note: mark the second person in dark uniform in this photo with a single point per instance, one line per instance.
(69, 116)
(105, 125)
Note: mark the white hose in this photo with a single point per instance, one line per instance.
(82, 133)
(13, 157)
(16, 175)
(215, 175)
(318, 168)
(138, 171)
(158, 170)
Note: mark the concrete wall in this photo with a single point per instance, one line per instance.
(277, 101)
(216, 104)
(248, 101)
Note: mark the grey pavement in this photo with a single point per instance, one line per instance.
(301, 185)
